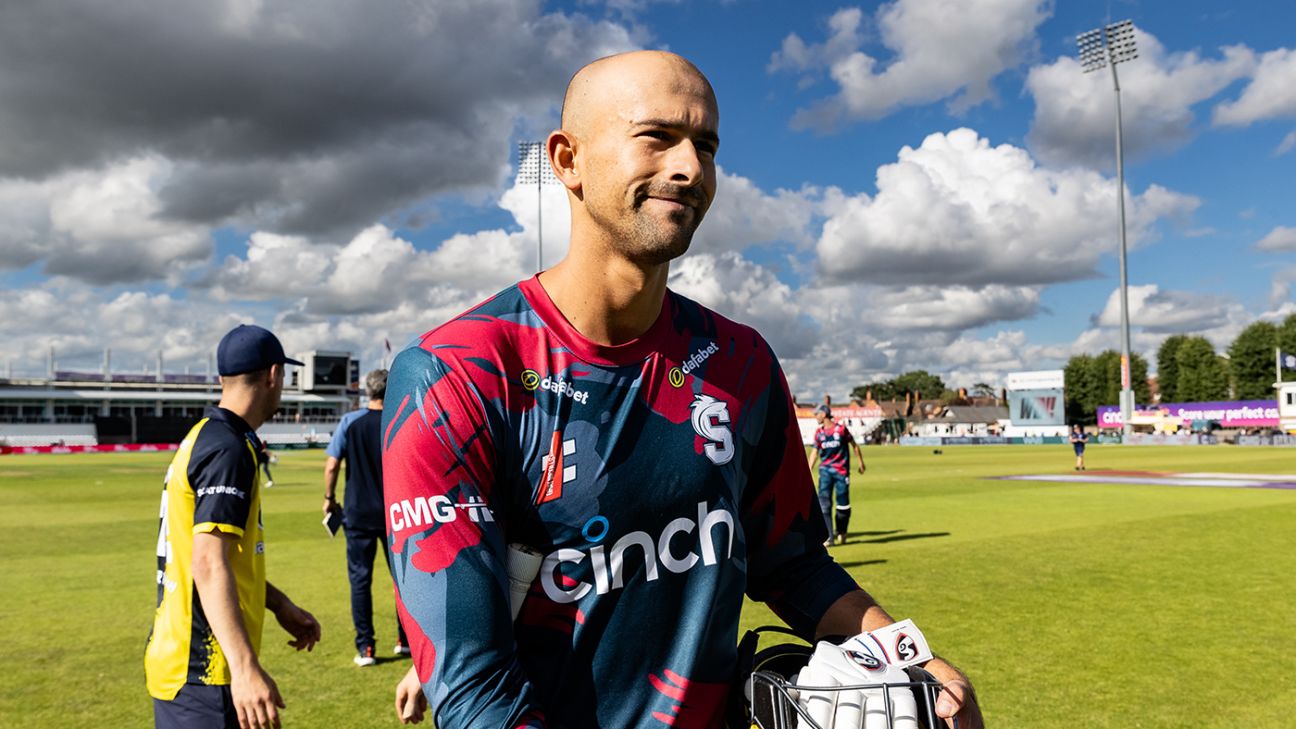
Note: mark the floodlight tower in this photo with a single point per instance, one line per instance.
(533, 166)
(1101, 47)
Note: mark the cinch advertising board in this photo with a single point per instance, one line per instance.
(1232, 414)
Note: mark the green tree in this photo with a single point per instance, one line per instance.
(1081, 388)
(1202, 377)
(886, 390)
(920, 382)
(1168, 367)
(1287, 336)
(1139, 379)
(1251, 361)
(1107, 378)
(861, 392)
(915, 381)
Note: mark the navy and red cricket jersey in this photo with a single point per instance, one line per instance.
(662, 479)
(833, 444)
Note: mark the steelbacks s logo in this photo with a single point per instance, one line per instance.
(711, 421)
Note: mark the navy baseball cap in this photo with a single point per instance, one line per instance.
(248, 348)
(824, 409)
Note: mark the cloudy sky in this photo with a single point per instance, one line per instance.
(914, 184)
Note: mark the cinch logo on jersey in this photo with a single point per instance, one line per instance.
(420, 511)
(696, 359)
(608, 565)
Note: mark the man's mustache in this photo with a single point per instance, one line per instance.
(691, 196)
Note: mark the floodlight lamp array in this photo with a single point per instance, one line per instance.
(533, 166)
(1093, 52)
(1120, 42)
(1112, 44)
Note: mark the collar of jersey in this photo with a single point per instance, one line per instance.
(239, 425)
(632, 352)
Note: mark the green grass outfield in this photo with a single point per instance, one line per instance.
(1070, 605)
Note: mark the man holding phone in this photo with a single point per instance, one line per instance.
(357, 441)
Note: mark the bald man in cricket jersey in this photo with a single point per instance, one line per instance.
(645, 445)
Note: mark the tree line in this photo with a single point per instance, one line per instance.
(1188, 370)
(915, 382)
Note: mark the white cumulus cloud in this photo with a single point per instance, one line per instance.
(749, 293)
(1286, 145)
(1170, 312)
(937, 50)
(1075, 111)
(957, 211)
(1271, 94)
(101, 226)
(79, 323)
(1281, 238)
(1280, 290)
(950, 308)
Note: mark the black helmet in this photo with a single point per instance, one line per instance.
(767, 698)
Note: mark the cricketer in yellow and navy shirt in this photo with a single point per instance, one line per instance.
(213, 484)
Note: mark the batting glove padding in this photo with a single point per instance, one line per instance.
(876, 689)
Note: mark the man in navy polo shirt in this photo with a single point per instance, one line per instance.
(357, 441)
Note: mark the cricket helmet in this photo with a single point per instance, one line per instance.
(769, 694)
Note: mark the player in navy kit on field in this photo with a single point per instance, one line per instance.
(646, 446)
(1079, 439)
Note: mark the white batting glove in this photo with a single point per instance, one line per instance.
(852, 664)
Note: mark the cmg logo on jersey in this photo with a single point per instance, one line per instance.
(665, 550)
(439, 509)
(711, 421)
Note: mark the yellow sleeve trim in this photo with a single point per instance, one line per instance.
(211, 526)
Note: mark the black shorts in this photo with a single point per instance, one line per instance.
(197, 706)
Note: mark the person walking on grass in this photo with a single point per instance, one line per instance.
(200, 663)
(358, 442)
(1078, 440)
(832, 443)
